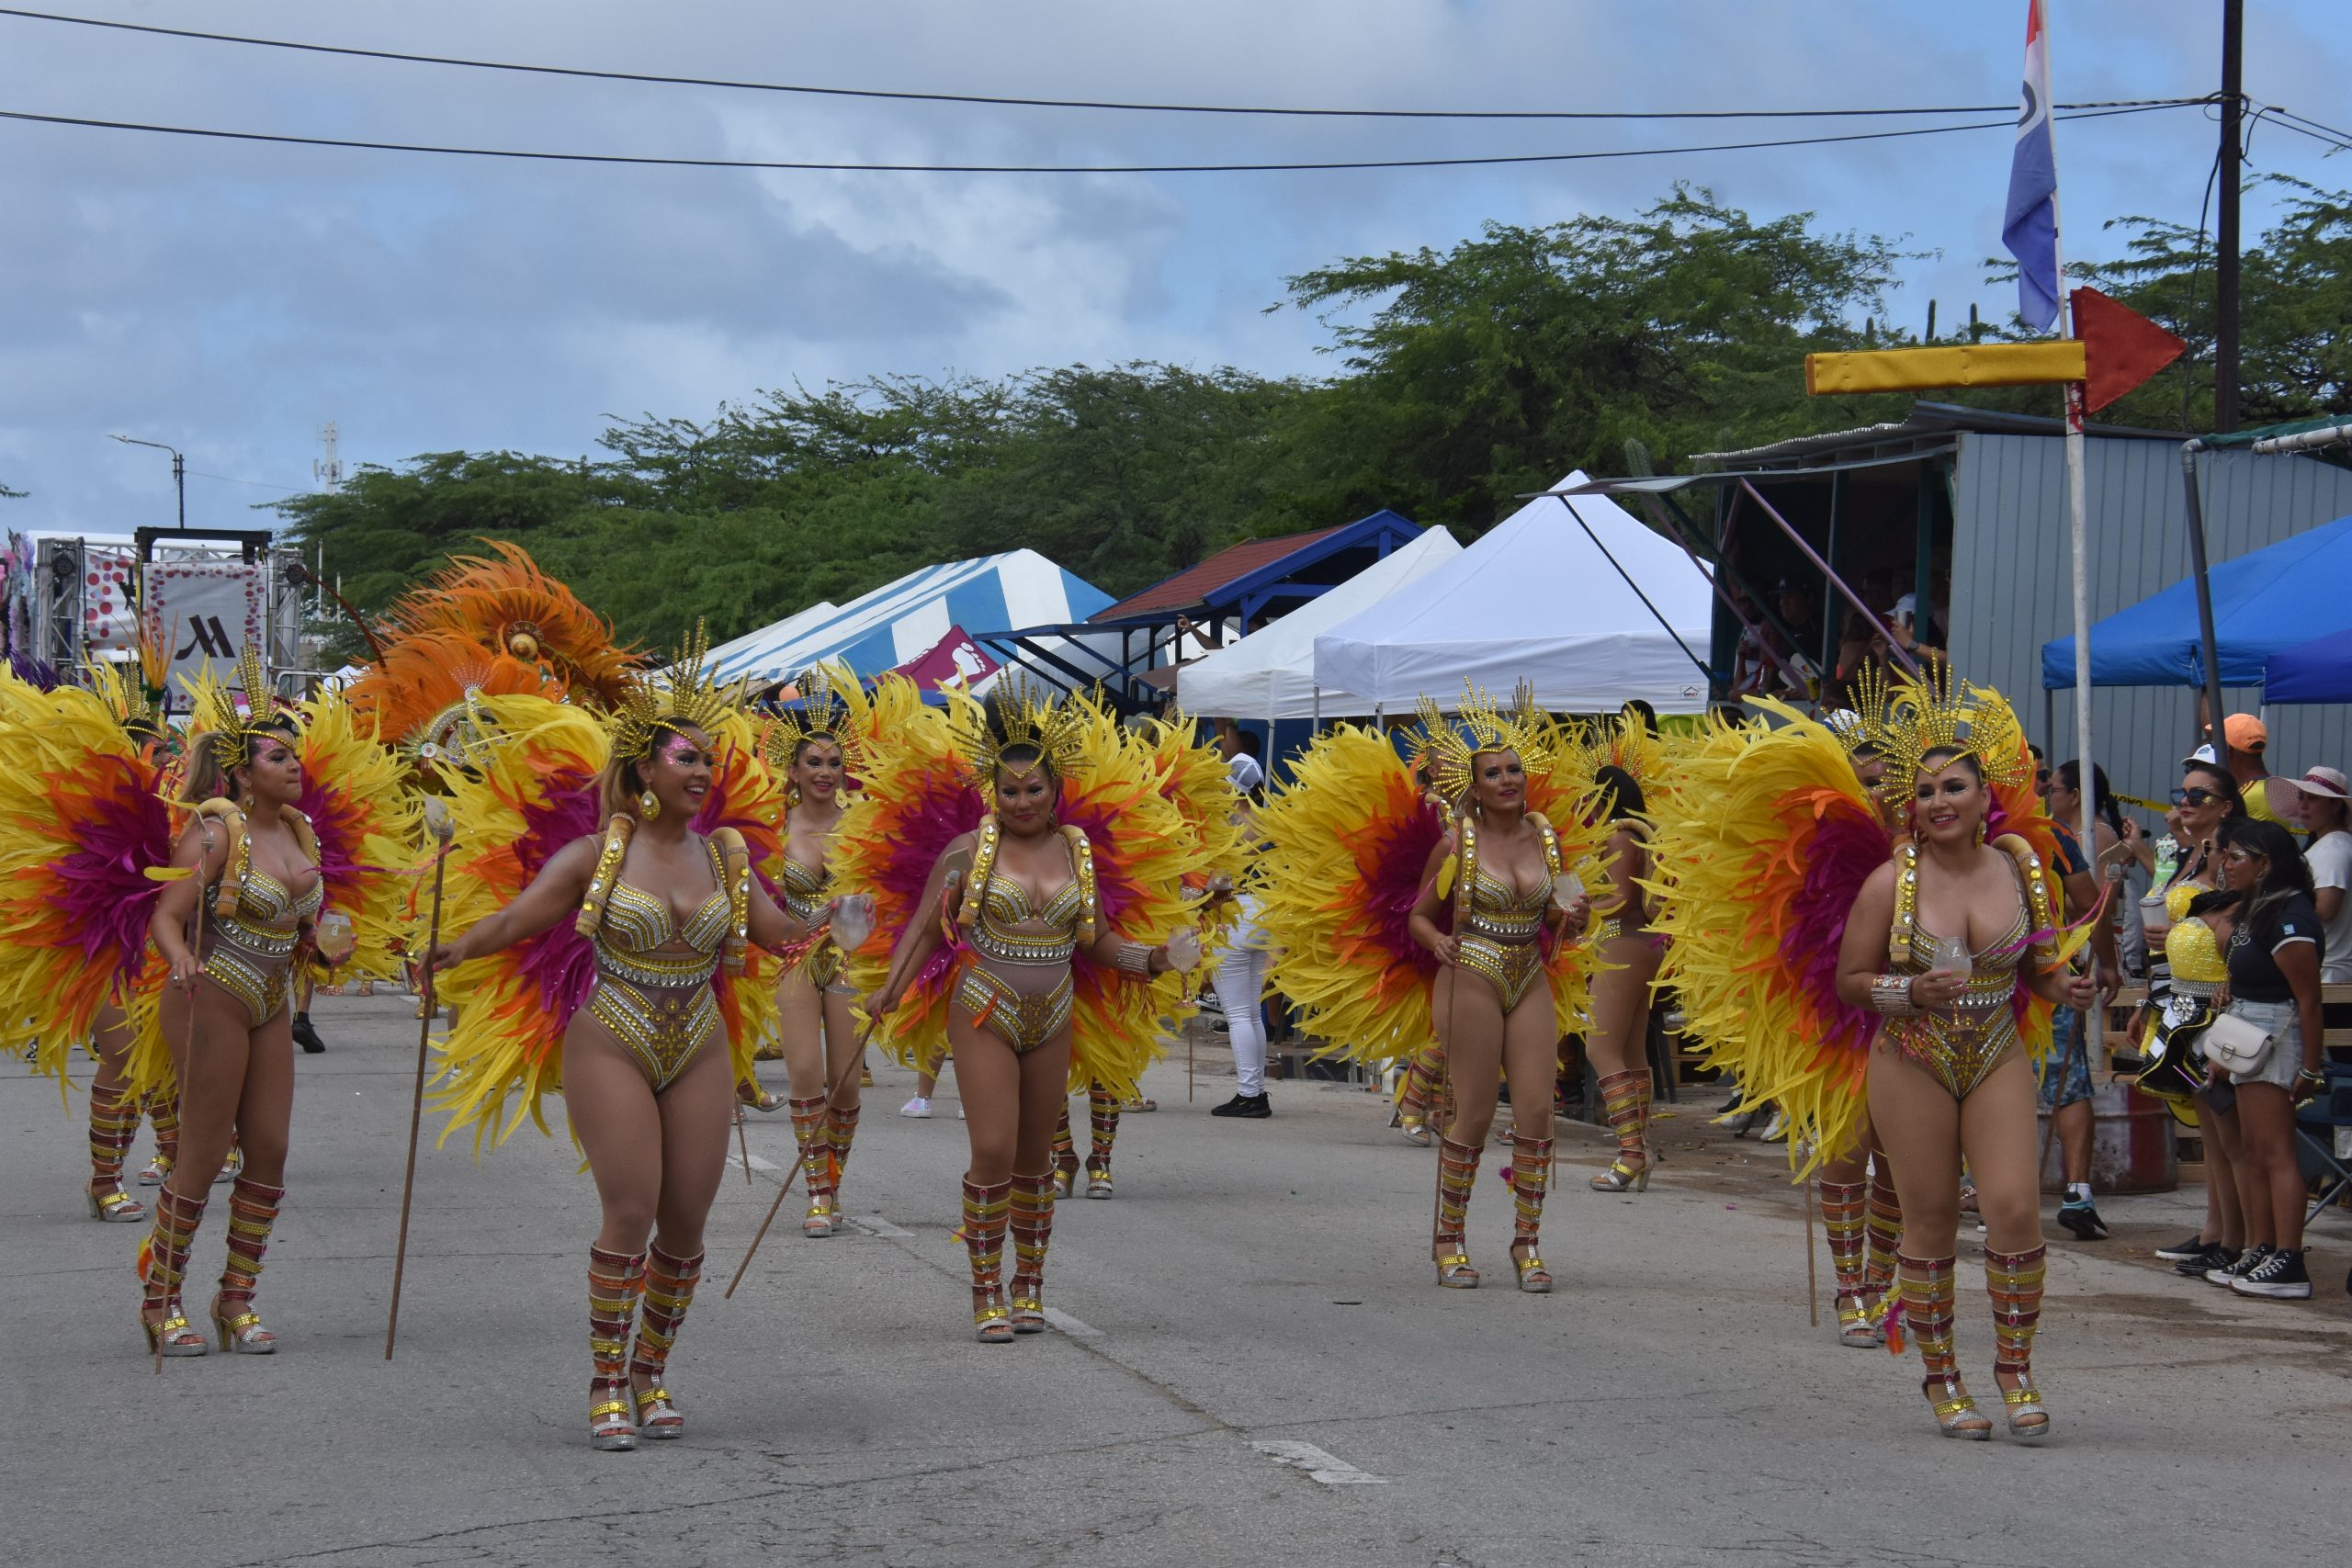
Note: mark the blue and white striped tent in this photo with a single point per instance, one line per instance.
(904, 619)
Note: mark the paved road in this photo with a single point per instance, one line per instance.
(1255, 1369)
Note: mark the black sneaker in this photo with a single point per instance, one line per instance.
(2182, 1251)
(307, 1037)
(2247, 1262)
(2083, 1219)
(2215, 1256)
(2279, 1276)
(1257, 1107)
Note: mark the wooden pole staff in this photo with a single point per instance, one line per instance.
(441, 830)
(1812, 1263)
(188, 1058)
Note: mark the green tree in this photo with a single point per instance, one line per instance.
(1491, 369)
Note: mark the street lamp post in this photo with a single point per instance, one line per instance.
(179, 470)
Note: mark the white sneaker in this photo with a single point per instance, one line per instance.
(918, 1106)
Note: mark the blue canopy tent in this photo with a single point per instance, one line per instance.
(2318, 672)
(2264, 603)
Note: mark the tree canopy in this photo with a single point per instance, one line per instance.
(1462, 380)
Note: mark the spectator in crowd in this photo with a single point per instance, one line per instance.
(2328, 852)
(2274, 962)
(1242, 762)
(2249, 740)
(2067, 1071)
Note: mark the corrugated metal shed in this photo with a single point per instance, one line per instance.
(2011, 585)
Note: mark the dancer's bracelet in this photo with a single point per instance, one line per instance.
(1891, 994)
(1135, 959)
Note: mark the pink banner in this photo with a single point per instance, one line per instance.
(954, 664)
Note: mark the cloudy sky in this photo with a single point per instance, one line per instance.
(231, 298)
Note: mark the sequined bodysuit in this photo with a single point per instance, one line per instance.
(250, 953)
(1497, 933)
(804, 900)
(659, 1002)
(1960, 1044)
(1014, 944)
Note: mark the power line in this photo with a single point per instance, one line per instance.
(2287, 120)
(806, 166)
(584, 73)
(257, 484)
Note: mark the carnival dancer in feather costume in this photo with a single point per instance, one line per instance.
(509, 607)
(1821, 969)
(232, 935)
(1050, 917)
(809, 751)
(1392, 919)
(1619, 764)
(81, 826)
(610, 887)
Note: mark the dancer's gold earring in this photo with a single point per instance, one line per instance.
(649, 805)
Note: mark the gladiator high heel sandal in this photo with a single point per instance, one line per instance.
(2015, 1279)
(615, 1283)
(1530, 1176)
(1842, 1204)
(1065, 1157)
(231, 1166)
(252, 1211)
(114, 1122)
(1411, 1116)
(164, 1110)
(1621, 1108)
(163, 1265)
(815, 1155)
(1033, 1228)
(669, 1290)
(985, 1213)
(1457, 1173)
(1103, 1116)
(843, 1131)
(1926, 1287)
(750, 1095)
(1885, 1233)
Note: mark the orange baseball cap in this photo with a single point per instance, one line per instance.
(2245, 733)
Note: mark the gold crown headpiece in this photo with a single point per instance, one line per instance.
(1927, 712)
(686, 696)
(1447, 747)
(1017, 712)
(822, 716)
(230, 731)
(1623, 741)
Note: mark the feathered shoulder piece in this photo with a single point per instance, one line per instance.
(366, 821)
(1197, 783)
(86, 847)
(424, 696)
(536, 793)
(1348, 844)
(916, 799)
(1757, 858)
(506, 604)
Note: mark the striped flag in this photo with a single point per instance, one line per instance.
(2030, 226)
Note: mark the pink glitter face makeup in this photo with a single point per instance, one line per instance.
(679, 751)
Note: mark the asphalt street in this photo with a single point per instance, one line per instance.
(1253, 1365)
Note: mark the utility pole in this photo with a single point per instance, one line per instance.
(327, 468)
(2225, 272)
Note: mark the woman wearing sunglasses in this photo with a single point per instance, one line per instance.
(2274, 957)
(2207, 797)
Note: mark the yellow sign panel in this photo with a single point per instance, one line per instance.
(1965, 364)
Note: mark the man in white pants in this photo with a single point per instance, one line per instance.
(1240, 987)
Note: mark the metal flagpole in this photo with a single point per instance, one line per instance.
(2079, 533)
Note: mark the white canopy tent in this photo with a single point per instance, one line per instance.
(748, 648)
(1269, 674)
(1543, 599)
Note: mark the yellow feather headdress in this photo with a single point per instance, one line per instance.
(1447, 748)
(230, 732)
(685, 696)
(822, 716)
(1926, 713)
(1018, 713)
